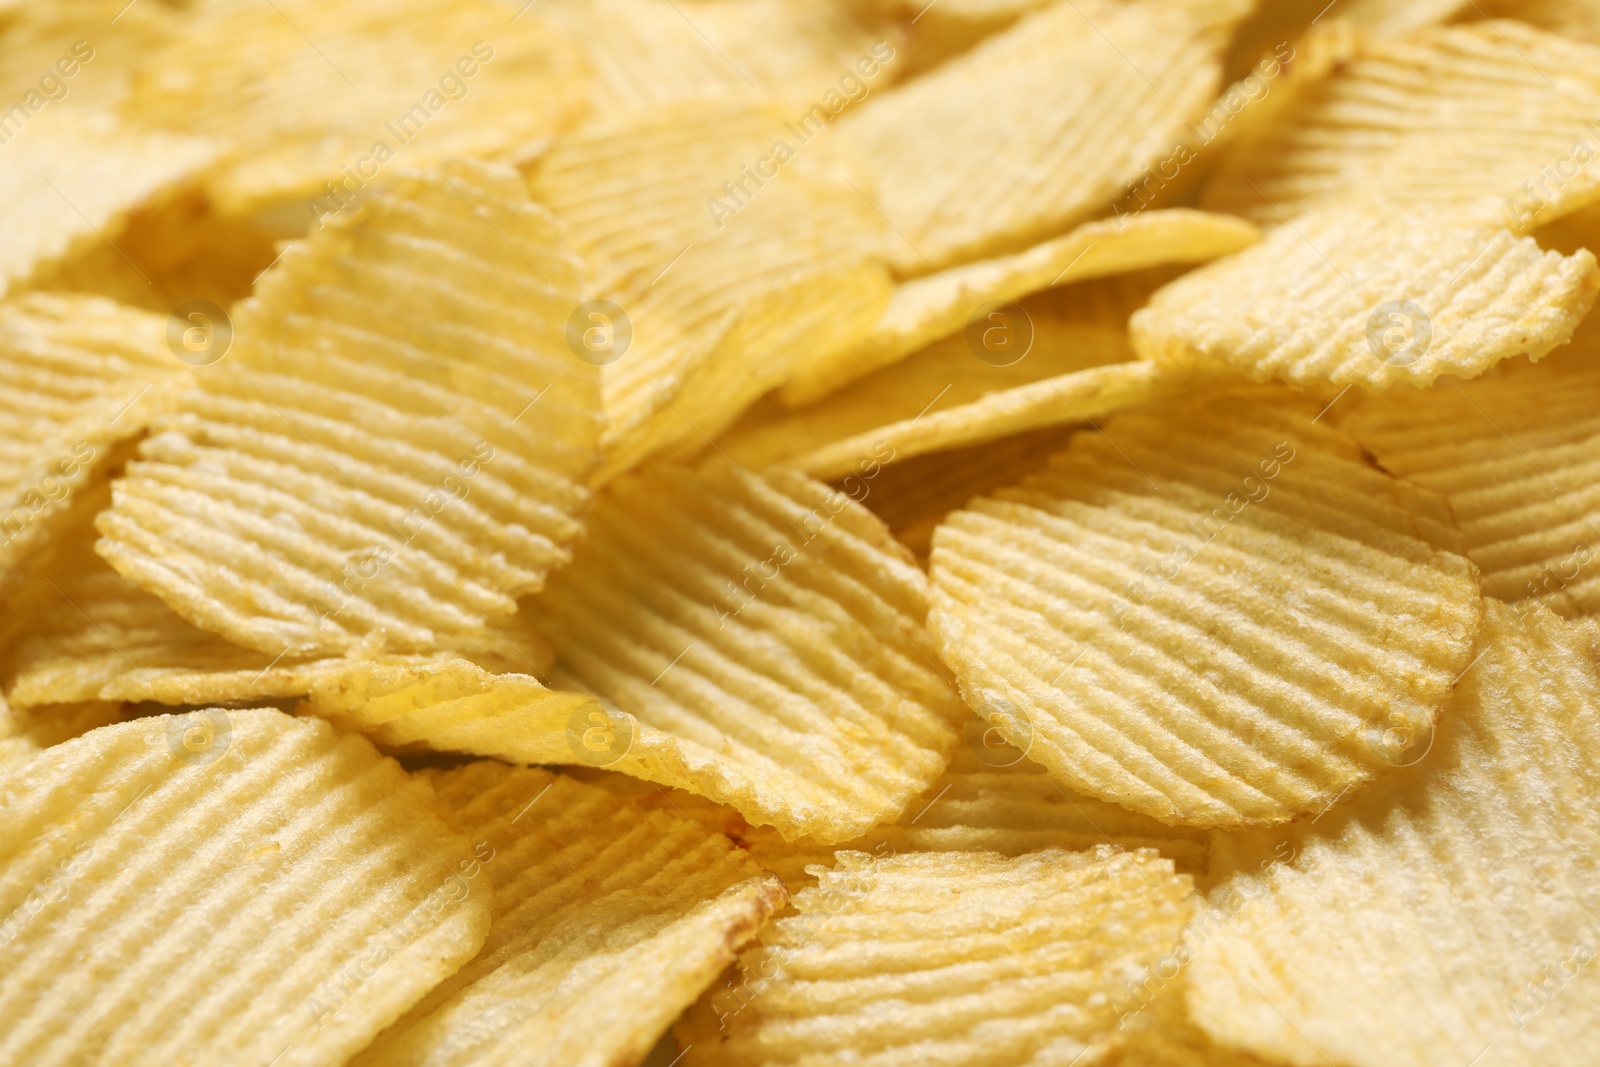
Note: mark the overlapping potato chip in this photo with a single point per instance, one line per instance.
(1385, 131)
(1449, 914)
(755, 640)
(954, 958)
(397, 443)
(25, 732)
(1215, 613)
(237, 887)
(71, 178)
(925, 309)
(1345, 297)
(77, 375)
(321, 100)
(608, 920)
(995, 151)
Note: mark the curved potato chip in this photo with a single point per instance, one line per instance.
(995, 150)
(1158, 1031)
(1449, 911)
(608, 921)
(1518, 455)
(1216, 614)
(398, 442)
(238, 887)
(925, 309)
(1344, 297)
(26, 732)
(315, 100)
(1384, 131)
(954, 957)
(1577, 19)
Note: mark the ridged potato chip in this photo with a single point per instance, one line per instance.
(954, 958)
(1518, 456)
(397, 445)
(608, 921)
(1345, 297)
(26, 732)
(377, 88)
(925, 309)
(221, 887)
(1384, 131)
(1216, 613)
(1449, 914)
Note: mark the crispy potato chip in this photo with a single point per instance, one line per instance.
(1214, 613)
(77, 375)
(237, 887)
(1577, 19)
(925, 309)
(996, 151)
(758, 641)
(953, 958)
(1385, 131)
(397, 443)
(317, 100)
(26, 732)
(1157, 1031)
(71, 179)
(608, 921)
(1448, 912)
(1518, 455)
(1344, 297)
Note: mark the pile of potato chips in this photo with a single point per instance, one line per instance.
(906, 533)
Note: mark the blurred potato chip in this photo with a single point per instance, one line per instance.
(1577, 19)
(1161, 1033)
(77, 375)
(73, 176)
(953, 957)
(236, 886)
(1384, 131)
(608, 921)
(1451, 910)
(397, 445)
(1345, 297)
(1215, 613)
(995, 151)
(77, 53)
(1518, 455)
(318, 100)
(925, 309)
(24, 732)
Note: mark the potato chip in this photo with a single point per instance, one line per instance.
(954, 958)
(23, 733)
(1384, 131)
(76, 53)
(1344, 297)
(1159, 1032)
(1214, 613)
(1450, 913)
(1518, 455)
(925, 309)
(758, 641)
(608, 921)
(321, 100)
(222, 887)
(73, 176)
(79, 374)
(996, 151)
(1578, 19)
(397, 443)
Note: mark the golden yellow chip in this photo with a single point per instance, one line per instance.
(925, 309)
(1156, 1029)
(1385, 132)
(396, 447)
(1450, 913)
(608, 921)
(953, 957)
(1345, 297)
(1215, 613)
(26, 732)
(755, 640)
(222, 887)
(1578, 19)
(996, 150)
(75, 53)
(316, 104)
